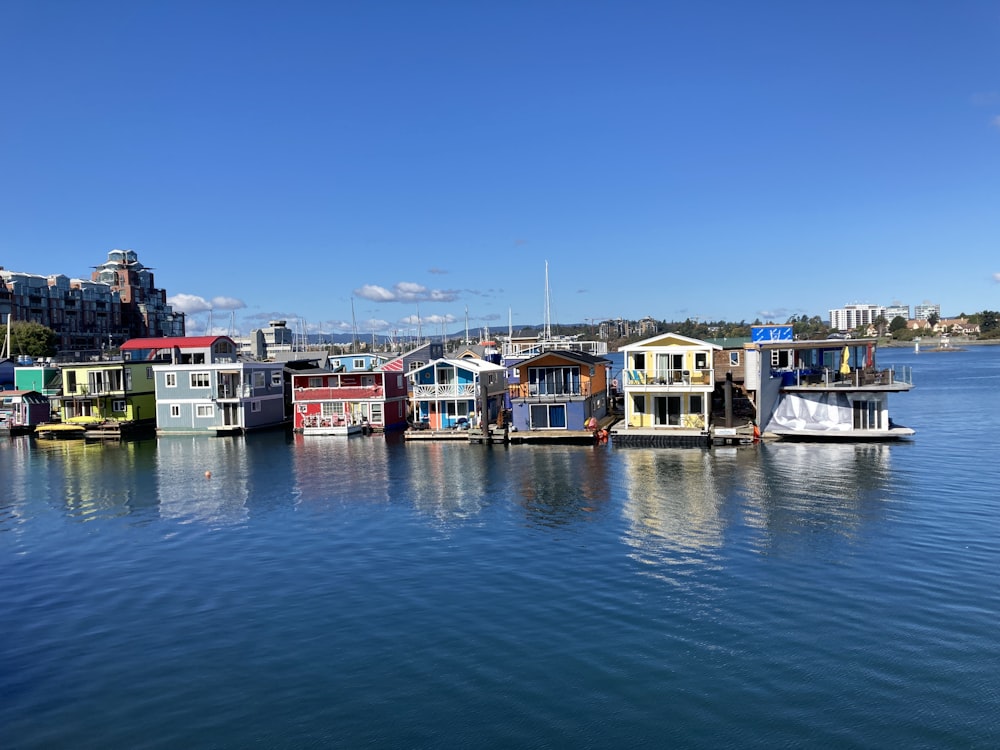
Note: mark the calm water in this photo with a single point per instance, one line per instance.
(370, 593)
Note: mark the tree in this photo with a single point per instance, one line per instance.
(933, 319)
(897, 324)
(989, 320)
(32, 339)
(880, 324)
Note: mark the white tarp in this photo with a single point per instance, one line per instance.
(812, 411)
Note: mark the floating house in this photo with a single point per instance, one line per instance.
(668, 382)
(559, 390)
(107, 399)
(342, 403)
(447, 393)
(824, 390)
(21, 411)
(202, 387)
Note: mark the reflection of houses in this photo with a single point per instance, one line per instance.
(668, 382)
(202, 387)
(323, 400)
(829, 389)
(558, 390)
(447, 390)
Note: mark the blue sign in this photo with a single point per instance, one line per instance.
(763, 334)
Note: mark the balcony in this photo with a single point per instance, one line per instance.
(444, 390)
(669, 377)
(543, 392)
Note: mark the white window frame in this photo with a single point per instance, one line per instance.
(201, 379)
(175, 411)
(204, 411)
(170, 379)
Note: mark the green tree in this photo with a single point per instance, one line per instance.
(32, 339)
(933, 319)
(897, 324)
(989, 320)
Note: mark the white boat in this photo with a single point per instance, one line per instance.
(332, 426)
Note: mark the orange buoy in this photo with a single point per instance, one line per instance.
(208, 475)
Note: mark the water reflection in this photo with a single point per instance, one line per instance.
(93, 480)
(833, 488)
(683, 504)
(452, 481)
(187, 492)
(341, 469)
(560, 485)
(673, 503)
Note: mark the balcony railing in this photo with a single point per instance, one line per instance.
(669, 377)
(543, 391)
(445, 390)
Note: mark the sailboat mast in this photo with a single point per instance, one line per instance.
(547, 330)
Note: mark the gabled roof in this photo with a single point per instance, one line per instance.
(475, 365)
(669, 339)
(169, 342)
(582, 358)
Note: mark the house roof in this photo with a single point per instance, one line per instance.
(169, 342)
(666, 339)
(583, 358)
(477, 365)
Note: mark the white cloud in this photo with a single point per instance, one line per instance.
(227, 303)
(375, 293)
(996, 277)
(405, 291)
(192, 303)
(189, 303)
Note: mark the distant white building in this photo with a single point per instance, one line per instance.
(923, 312)
(850, 317)
(897, 310)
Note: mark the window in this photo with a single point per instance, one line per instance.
(315, 382)
(118, 405)
(205, 410)
(399, 381)
(258, 378)
(200, 380)
(695, 404)
(700, 360)
(376, 413)
(734, 359)
(416, 365)
(276, 378)
(170, 379)
(866, 415)
(359, 364)
(255, 406)
(639, 404)
(149, 373)
(335, 363)
(548, 417)
(547, 381)
(332, 408)
(175, 410)
(302, 408)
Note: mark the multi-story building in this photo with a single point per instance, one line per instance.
(924, 311)
(897, 310)
(850, 317)
(91, 315)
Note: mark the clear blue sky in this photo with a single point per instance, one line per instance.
(724, 160)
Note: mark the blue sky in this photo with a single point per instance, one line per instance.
(725, 160)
